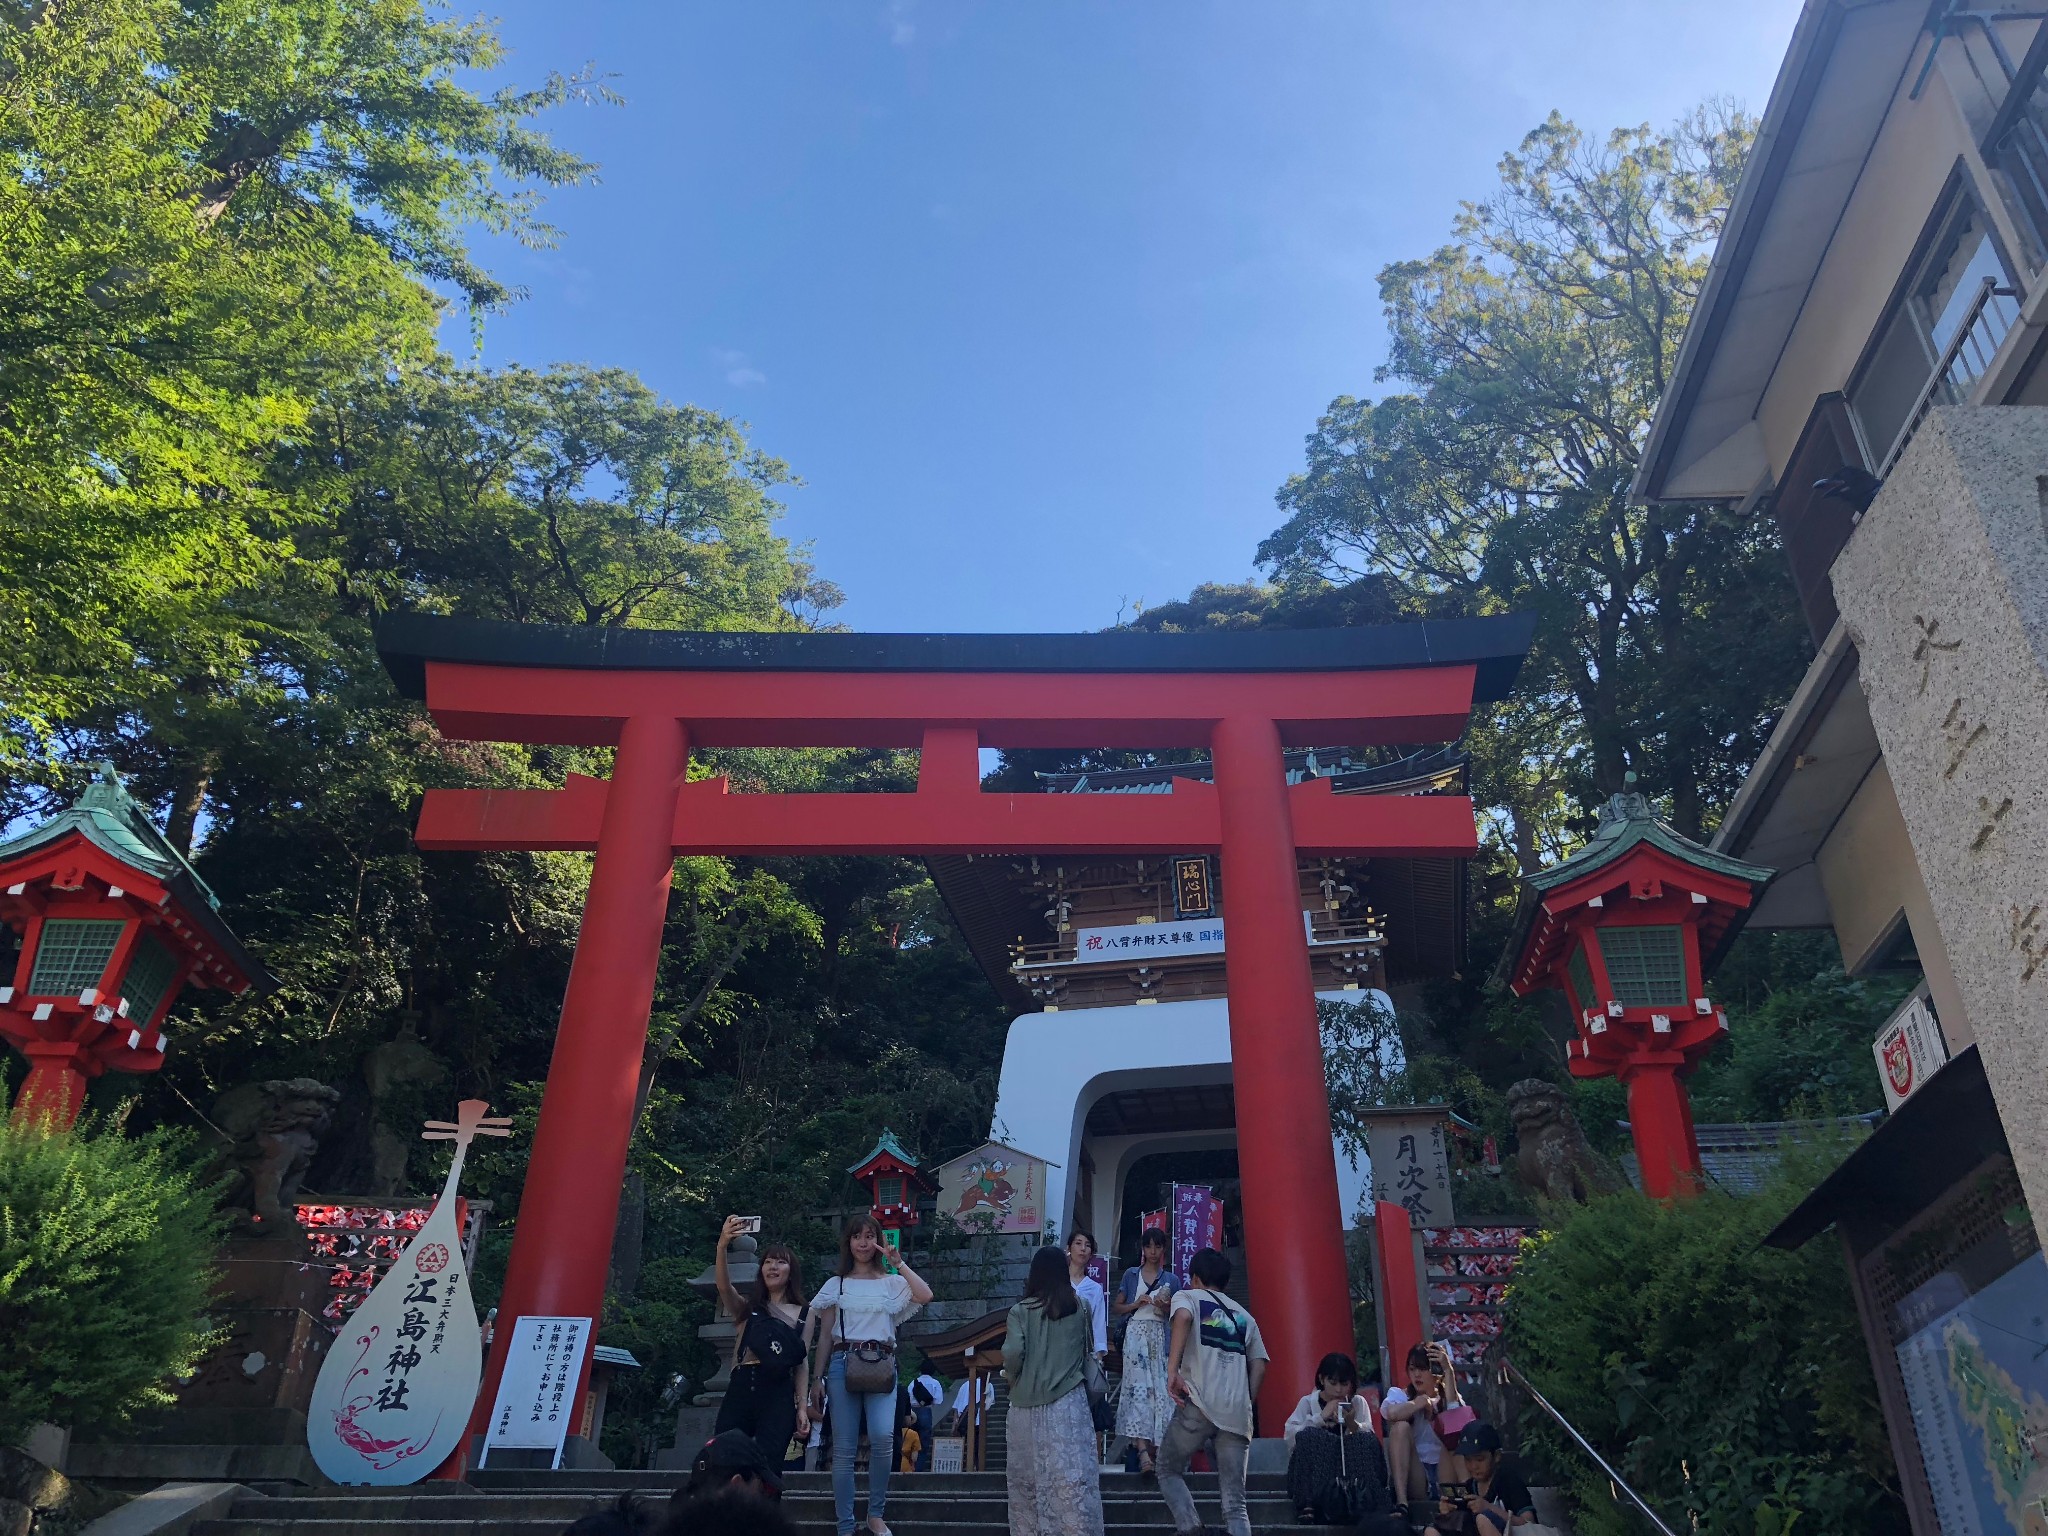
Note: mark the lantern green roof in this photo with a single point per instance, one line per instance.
(1626, 820)
(888, 1146)
(109, 818)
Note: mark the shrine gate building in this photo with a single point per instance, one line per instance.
(1243, 697)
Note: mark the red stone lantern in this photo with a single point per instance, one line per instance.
(893, 1182)
(1627, 928)
(113, 922)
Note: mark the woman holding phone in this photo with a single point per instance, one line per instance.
(1417, 1419)
(856, 1314)
(769, 1396)
(1329, 1437)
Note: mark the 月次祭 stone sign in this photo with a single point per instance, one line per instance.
(395, 1393)
(1411, 1162)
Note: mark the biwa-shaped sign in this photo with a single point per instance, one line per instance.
(395, 1392)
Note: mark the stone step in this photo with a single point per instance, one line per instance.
(644, 1480)
(280, 1525)
(1134, 1509)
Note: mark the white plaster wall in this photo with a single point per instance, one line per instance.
(1916, 149)
(1868, 870)
(1056, 1065)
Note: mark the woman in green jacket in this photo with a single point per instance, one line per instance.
(1055, 1481)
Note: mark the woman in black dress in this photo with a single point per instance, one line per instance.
(769, 1396)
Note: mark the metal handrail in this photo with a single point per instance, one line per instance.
(1990, 288)
(1509, 1373)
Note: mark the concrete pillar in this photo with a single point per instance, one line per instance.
(1944, 589)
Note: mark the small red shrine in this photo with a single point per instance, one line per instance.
(113, 922)
(893, 1180)
(1627, 929)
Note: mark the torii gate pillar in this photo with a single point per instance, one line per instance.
(1303, 1303)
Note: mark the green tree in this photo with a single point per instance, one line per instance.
(1774, 1428)
(216, 212)
(106, 1252)
(1534, 348)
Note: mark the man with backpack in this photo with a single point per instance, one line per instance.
(1214, 1364)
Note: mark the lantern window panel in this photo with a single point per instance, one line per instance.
(1581, 974)
(888, 1191)
(150, 974)
(1645, 965)
(72, 955)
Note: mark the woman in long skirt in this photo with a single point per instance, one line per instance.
(1143, 1406)
(1054, 1480)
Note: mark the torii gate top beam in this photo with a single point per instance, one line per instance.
(574, 686)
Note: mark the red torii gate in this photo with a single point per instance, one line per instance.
(656, 694)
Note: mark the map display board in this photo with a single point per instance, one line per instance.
(1976, 1378)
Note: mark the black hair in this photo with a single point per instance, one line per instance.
(1153, 1238)
(1420, 1359)
(1073, 1232)
(729, 1512)
(1050, 1285)
(1337, 1367)
(1209, 1268)
(793, 1292)
(864, 1222)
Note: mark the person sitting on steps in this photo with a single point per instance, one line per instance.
(1415, 1452)
(1329, 1435)
(1487, 1500)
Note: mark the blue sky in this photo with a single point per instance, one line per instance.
(1041, 297)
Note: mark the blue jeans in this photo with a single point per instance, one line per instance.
(849, 1411)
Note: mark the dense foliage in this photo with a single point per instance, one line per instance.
(106, 1261)
(1729, 1379)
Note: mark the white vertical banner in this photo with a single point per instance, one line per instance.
(535, 1401)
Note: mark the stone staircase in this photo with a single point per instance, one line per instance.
(544, 1503)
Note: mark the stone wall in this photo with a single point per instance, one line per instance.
(1944, 589)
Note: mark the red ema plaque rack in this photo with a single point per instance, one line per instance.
(1468, 1269)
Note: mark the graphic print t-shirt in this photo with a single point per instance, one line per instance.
(1223, 1341)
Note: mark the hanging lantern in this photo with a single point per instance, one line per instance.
(113, 924)
(1626, 929)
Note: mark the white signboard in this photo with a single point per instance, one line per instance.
(1136, 941)
(536, 1394)
(1411, 1165)
(949, 1454)
(1909, 1051)
(395, 1393)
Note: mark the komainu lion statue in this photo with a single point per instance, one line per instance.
(1554, 1161)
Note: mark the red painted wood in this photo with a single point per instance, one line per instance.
(947, 819)
(570, 1204)
(894, 709)
(1292, 1217)
(1660, 1119)
(1401, 1303)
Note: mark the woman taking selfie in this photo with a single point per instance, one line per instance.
(769, 1395)
(1054, 1483)
(1143, 1407)
(857, 1313)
